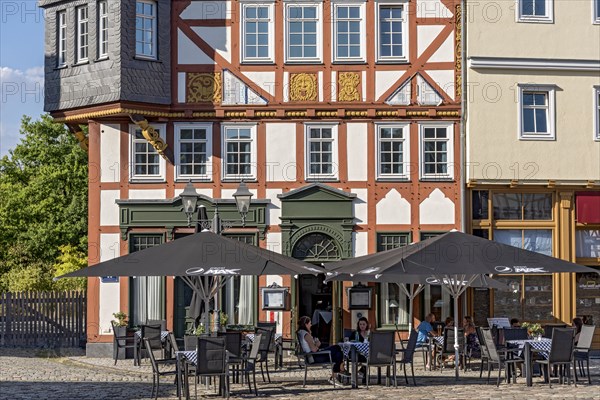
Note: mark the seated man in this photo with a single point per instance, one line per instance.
(425, 329)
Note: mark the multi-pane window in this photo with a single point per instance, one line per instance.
(194, 151)
(389, 241)
(522, 206)
(321, 151)
(436, 152)
(535, 10)
(239, 145)
(391, 32)
(536, 112)
(146, 163)
(597, 112)
(148, 293)
(348, 28)
(257, 31)
(102, 29)
(145, 29)
(82, 34)
(61, 17)
(303, 32)
(393, 151)
(596, 6)
(429, 235)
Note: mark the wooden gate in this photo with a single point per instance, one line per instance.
(43, 319)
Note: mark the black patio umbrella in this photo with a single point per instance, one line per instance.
(203, 254)
(451, 258)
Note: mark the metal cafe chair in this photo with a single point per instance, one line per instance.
(382, 353)
(157, 368)
(581, 352)
(561, 353)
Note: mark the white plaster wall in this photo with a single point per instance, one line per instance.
(445, 53)
(384, 80)
(434, 9)
(363, 85)
(436, 209)
(274, 242)
(204, 191)
(361, 243)
(109, 292)
(273, 209)
(181, 87)
(286, 86)
(445, 79)
(208, 10)
(425, 36)
(333, 85)
(357, 151)
(147, 194)
(263, 79)
(219, 38)
(109, 210)
(110, 153)
(493, 111)
(393, 209)
(189, 53)
(360, 206)
(320, 84)
(228, 193)
(281, 152)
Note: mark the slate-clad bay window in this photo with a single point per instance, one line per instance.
(257, 32)
(303, 32)
(82, 34)
(145, 163)
(194, 151)
(102, 29)
(147, 292)
(61, 18)
(145, 29)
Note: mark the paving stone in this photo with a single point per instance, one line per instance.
(68, 374)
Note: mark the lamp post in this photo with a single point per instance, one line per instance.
(189, 198)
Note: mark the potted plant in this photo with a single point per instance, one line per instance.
(534, 330)
(120, 324)
(223, 318)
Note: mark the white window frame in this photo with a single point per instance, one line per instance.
(193, 125)
(596, 103)
(270, 4)
(405, 41)
(61, 24)
(405, 175)
(102, 28)
(363, 29)
(596, 12)
(82, 35)
(253, 154)
(551, 91)
(319, 19)
(153, 17)
(449, 151)
(334, 176)
(161, 176)
(547, 19)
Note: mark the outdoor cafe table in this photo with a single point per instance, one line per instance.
(163, 335)
(185, 358)
(350, 350)
(543, 345)
(434, 341)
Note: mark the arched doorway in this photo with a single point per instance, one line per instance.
(315, 297)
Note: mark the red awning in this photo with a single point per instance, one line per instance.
(587, 207)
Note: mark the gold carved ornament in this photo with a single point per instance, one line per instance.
(458, 50)
(303, 87)
(153, 137)
(84, 141)
(348, 86)
(203, 87)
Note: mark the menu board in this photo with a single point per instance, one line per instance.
(499, 322)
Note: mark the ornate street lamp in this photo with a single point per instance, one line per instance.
(242, 198)
(189, 198)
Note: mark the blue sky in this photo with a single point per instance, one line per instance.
(21, 67)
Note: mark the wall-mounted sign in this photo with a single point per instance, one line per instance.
(359, 297)
(275, 297)
(109, 279)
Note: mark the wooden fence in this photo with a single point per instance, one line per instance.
(43, 319)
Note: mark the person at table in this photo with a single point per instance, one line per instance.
(515, 323)
(362, 331)
(471, 339)
(577, 324)
(449, 322)
(311, 345)
(425, 329)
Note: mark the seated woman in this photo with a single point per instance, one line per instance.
(471, 339)
(362, 331)
(311, 345)
(449, 322)
(577, 324)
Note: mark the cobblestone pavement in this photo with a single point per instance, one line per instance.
(37, 374)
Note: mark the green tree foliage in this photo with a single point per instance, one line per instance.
(43, 206)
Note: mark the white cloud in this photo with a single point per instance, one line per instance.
(30, 75)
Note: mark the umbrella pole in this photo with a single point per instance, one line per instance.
(411, 298)
(456, 346)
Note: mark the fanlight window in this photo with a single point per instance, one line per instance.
(316, 246)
